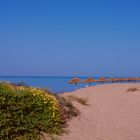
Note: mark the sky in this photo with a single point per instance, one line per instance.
(70, 37)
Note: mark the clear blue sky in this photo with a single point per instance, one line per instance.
(70, 37)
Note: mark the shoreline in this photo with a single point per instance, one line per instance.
(99, 85)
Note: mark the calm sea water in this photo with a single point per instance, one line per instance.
(54, 84)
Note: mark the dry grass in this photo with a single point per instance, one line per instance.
(133, 89)
(83, 100)
(68, 109)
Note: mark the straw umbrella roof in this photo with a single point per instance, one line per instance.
(74, 81)
(102, 79)
(112, 79)
(89, 80)
(125, 79)
(130, 79)
(121, 79)
(138, 78)
(135, 79)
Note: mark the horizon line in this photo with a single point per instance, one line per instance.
(60, 76)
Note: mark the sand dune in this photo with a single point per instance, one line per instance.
(112, 114)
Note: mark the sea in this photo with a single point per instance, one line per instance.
(54, 84)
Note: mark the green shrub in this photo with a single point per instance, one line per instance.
(25, 112)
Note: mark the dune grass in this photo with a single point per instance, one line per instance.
(133, 89)
(82, 100)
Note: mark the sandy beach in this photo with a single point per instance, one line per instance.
(113, 113)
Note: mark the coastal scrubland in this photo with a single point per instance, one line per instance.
(108, 111)
(27, 112)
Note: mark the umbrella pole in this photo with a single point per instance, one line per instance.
(75, 85)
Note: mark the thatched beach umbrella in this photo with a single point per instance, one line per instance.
(125, 79)
(89, 80)
(75, 81)
(130, 79)
(135, 79)
(138, 79)
(102, 80)
(121, 80)
(112, 80)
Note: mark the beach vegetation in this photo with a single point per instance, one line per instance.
(133, 89)
(69, 110)
(26, 112)
(82, 100)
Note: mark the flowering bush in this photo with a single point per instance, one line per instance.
(25, 112)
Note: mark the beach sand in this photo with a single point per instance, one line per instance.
(113, 113)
